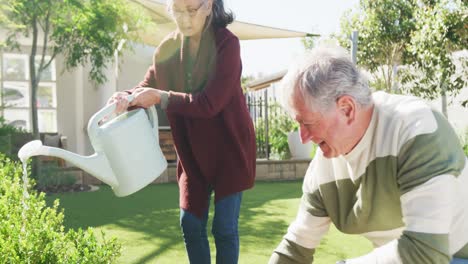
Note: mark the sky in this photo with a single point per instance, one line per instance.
(273, 55)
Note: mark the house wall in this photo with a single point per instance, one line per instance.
(80, 98)
(89, 98)
(133, 66)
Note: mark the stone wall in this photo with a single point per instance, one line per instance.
(267, 170)
(281, 170)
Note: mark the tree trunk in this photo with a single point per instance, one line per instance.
(395, 87)
(34, 80)
(444, 97)
(444, 104)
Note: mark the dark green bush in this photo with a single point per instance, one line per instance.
(52, 176)
(7, 129)
(6, 132)
(31, 232)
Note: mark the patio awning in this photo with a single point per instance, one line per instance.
(266, 81)
(245, 31)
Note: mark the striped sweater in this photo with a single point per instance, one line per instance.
(404, 187)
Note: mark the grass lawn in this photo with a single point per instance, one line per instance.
(147, 223)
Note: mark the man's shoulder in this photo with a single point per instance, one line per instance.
(406, 115)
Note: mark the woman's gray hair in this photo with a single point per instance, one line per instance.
(325, 74)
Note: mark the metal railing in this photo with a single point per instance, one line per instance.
(264, 107)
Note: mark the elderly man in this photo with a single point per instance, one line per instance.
(388, 167)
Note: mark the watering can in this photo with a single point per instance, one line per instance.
(128, 156)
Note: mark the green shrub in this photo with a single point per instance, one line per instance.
(6, 132)
(52, 176)
(7, 129)
(31, 232)
(279, 125)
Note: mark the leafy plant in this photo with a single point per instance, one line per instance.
(6, 132)
(7, 129)
(31, 232)
(279, 125)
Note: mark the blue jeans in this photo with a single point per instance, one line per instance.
(224, 230)
(459, 261)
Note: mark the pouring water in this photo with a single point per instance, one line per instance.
(27, 151)
(24, 154)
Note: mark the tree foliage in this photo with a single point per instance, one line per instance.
(419, 34)
(440, 30)
(83, 31)
(384, 27)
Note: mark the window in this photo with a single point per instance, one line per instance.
(16, 93)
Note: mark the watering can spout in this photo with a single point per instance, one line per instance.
(96, 164)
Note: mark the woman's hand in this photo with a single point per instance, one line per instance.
(143, 97)
(146, 97)
(120, 98)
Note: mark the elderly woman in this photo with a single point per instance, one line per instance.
(388, 167)
(195, 77)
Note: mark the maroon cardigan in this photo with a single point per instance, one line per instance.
(211, 125)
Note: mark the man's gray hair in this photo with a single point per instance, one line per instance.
(325, 74)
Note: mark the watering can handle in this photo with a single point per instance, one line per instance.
(153, 117)
(93, 124)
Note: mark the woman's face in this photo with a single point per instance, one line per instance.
(190, 15)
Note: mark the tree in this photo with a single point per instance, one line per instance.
(419, 36)
(440, 30)
(384, 28)
(83, 31)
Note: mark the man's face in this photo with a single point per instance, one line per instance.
(327, 130)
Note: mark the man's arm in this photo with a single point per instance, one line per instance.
(289, 252)
(304, 234)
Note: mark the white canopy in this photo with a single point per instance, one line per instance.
(243, 30)
(266, 81)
